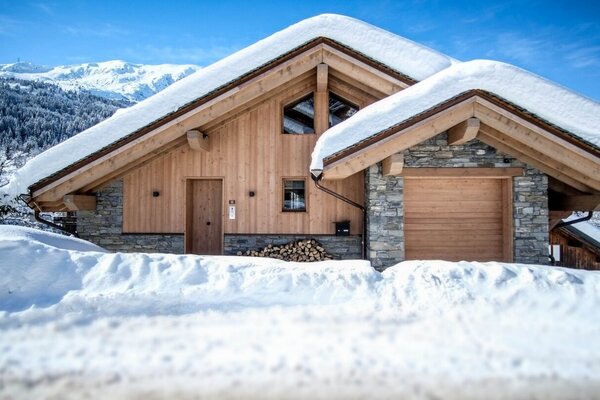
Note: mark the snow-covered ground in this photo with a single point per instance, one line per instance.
(77, 322)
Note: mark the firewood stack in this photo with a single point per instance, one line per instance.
(302, 250)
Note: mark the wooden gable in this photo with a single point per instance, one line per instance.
(498, 124)
(353, 70)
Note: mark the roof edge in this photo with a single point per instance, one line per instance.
(491, 97)
(217, 92)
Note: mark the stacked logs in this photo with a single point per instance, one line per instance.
(302, 251)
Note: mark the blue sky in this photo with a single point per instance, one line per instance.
(559, 40)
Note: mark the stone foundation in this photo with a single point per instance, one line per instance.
(342, 247)
(385, 211)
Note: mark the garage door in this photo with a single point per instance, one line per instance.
(458, 219)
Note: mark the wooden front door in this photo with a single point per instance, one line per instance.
(458, 219)
(204, 216)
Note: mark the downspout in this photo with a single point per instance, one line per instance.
(338, 196)
(38, 218)
(575, 221)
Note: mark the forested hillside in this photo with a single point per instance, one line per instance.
(36, 115)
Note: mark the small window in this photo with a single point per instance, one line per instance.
(294, 195)
(339, 109)
(299, 117)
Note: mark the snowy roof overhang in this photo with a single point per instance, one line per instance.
(394, 55)
(518, 111)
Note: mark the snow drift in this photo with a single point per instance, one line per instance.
(78, 322)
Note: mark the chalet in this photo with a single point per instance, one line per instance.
(336, 130)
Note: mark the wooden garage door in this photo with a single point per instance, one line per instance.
(458, 219)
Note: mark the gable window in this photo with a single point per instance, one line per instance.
(339, 109)
(299, 117)
(294, 195)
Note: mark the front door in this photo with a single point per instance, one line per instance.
(204, 216)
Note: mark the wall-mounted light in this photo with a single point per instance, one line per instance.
(156, 193)
(251, 193)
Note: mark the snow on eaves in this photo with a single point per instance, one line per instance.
(400, 54)
(585, 228)
(568, 110)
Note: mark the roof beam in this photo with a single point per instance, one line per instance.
(93, 172)
(399, 141)
(561, 151)
(471, 172)
(79, 202)
(322, 75)
(585, 202)
(393, 165)
(463, 132)
(198, 141)
(536, 159)
(361, 71)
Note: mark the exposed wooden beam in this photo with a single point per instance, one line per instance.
(399, 141)
(322, 76)
(585, 202)
(322, 99)
(393, 164)
(90, 173)
(555, 217)
(535, 158)
(558, 150)
(79, 202)
(461, 172)
(561, 187)
(198, 141)
(363, 72)
(463, 132)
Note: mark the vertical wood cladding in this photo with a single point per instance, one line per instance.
(249, 153)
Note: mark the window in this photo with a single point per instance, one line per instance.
(339, 109)
(294, 195)
(299, 117)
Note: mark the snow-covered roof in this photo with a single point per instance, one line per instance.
(584, 228)
(400, 54)
(568, 110)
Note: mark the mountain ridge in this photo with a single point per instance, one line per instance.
(115, 79)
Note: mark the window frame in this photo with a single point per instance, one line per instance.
(297, 99)
(299, 179)
(342, 98)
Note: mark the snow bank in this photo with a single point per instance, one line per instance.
(47, 270)
(403, 55)
(562, 107)
(42, 269)
(86, 324)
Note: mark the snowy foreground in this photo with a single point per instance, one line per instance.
(76, 322)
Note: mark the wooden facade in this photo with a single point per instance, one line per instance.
(216, 166)
(248, 153)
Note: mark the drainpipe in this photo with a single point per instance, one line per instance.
(338, 196)
(38, 218)
(575, 221)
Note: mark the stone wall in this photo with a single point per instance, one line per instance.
(104, 227)
(343, 247)
(385, 224)
(385, 218)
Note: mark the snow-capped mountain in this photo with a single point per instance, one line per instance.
(111, 79)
